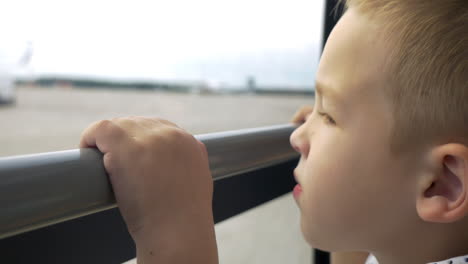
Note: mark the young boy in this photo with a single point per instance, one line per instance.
(384, 153)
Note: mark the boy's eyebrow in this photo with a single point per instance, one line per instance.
(329, 92)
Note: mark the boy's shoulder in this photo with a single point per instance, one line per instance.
(457, 260)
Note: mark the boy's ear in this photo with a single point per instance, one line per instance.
(443, 195)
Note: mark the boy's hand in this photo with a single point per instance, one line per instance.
(302, 114)
(163, 186)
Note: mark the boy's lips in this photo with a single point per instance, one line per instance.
(298, 188)
(297, 191)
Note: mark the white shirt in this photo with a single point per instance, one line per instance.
(458, 260)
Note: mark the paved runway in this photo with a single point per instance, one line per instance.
(51, 119)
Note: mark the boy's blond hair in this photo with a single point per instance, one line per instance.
(428, 67)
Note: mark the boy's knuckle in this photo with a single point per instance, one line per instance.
(104, 123)
(169, 123)
(175, 133)
(125, 121)
(136, 149)
(134, 118)
(157, 119)
(201, 144)
(110, 128)
(203, 148)
(118, 120)
(104, 126)
(109, 162)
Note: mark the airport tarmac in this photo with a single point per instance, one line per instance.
(52, 118)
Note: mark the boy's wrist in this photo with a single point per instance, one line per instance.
(191, 240)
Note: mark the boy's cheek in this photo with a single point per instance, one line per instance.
(320, 228)
(328, 224)
(330, 205)
(339, 204)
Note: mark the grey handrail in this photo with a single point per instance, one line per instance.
(43, 189)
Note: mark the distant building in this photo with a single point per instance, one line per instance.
(251, 84)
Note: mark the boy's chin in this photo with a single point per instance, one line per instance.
(323, 240)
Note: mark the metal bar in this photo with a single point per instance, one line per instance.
(321, 257)
(43, 189)
(103, 237)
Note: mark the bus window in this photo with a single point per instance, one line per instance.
(206, 65)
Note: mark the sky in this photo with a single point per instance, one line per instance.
(222, 41)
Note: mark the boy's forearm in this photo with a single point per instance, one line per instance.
(349, 257)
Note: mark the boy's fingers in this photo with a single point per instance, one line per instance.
(129, 125)
(133, 124)
(85, 138)
(102, 134)
(202, 147)
(106, 133)
(301, 115)
(153, 122)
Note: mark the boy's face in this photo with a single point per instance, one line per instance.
(354, 191)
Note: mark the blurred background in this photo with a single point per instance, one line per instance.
(206, 65)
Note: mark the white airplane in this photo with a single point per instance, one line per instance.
(7, 78)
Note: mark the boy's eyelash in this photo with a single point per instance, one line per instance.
(328, 118)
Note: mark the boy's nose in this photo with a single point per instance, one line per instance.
(299, 141)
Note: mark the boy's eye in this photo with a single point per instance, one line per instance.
(328, 119)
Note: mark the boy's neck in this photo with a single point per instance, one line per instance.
(437, 243)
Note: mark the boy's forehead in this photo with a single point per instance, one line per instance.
(353, 60)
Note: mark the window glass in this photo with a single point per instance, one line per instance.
(207, 65)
